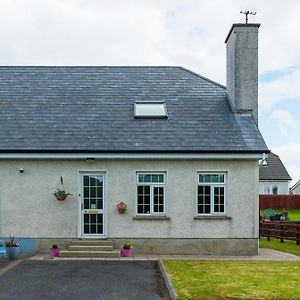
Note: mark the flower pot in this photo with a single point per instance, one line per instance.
(55, 252)
(126, 252)
(121, 207)
(12, 252)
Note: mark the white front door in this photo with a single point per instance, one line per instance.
(92, 205)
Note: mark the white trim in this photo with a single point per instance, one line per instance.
(131, 155)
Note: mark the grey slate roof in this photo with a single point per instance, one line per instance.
(275, 170)
(91, 109)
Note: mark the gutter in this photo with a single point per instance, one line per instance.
(120, 155)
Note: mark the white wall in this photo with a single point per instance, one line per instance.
(28, 208)
(283, 186)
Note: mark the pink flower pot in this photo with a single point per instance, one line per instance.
(126, 252)
(55, 252)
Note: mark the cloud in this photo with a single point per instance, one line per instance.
(172, 32)
(289, 154)
(286, 87)
(284, 118)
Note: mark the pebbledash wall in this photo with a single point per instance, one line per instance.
(29, 210)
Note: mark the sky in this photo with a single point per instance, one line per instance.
(188, 33)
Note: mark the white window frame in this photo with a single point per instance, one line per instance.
(153, 116)
(152, 186)
(212, 191)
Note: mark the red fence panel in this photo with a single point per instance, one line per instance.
(279, 201)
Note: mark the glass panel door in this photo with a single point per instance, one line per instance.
(92, 213)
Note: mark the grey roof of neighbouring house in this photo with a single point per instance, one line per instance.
(92, 109)
(274, 170)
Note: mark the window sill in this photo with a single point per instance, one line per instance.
(212, 218)
(160, 218)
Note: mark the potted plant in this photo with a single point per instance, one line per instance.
(61, 194)
(126, 250)
(55, 250)
(12, 248)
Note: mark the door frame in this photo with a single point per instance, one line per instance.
(80, 195)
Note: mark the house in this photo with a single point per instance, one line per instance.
(179, 150)
(274, 179)
(295, 189)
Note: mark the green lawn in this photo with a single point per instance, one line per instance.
(235, 279)
(293, 215)
(286, 246)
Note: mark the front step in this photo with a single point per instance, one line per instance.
(104, 254)
(92, 243)
(90, 248)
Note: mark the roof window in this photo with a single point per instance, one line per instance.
(150, 109)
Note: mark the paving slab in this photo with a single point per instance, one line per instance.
(77, 279)
(4, 262)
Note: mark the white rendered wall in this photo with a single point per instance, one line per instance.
(283, 186)
(28, 208)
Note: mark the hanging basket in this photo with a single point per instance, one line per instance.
(61, 194)
(122, 207)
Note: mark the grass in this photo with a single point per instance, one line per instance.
(293, 214)
(235, 279)
(286, 246)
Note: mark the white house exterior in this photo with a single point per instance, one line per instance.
(274, 179)
(295, 189)
(181, 151)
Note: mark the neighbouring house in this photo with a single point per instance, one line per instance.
(274, 179)
(179, 150)
(295, 189)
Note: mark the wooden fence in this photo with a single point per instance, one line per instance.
(280, 230)
(279, 201)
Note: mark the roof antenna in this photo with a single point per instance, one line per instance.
(247, 12)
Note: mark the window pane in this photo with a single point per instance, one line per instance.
(211, 178)
(151, 178)
(86, 180)
(143, 199)
(92, 181)
(219, 199)
(150, 109)
(203, 199)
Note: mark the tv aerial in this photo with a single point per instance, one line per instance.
(246, 13)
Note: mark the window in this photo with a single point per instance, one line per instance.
(154, 109)
(151, 193)
(271, 189)
(275, 190)
(211, 193)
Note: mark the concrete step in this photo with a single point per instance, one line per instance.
(113, 253)
(92, 243)
(90, 248)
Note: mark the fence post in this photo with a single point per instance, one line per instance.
(281, 231)
(268, 232)
(297, 235)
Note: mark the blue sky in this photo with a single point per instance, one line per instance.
(189, 33)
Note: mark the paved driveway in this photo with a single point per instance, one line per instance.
(83, 280)
(3, 262)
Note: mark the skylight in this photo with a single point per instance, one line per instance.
(153, 109)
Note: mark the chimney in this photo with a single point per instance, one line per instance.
(242, 68)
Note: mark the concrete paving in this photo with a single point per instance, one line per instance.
(3, 262)
(264, 254)
(47, 279)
